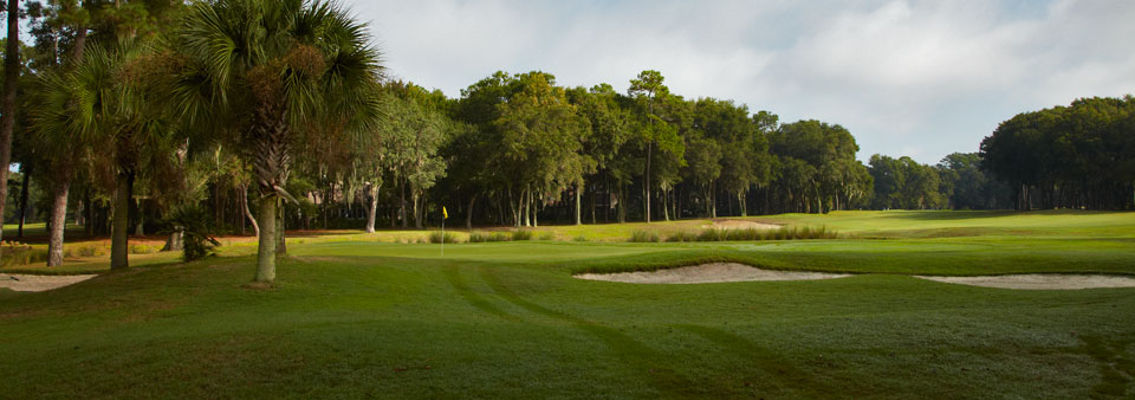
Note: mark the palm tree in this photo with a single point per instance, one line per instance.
(270, 68)
(68, 106)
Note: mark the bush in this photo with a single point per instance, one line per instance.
(437, 237)
(89, 251)
(682, 236)
(142, 249)
(548, 236)
(645, 236)
(740, 235)
(480, 237)
(197, 234)
(580, 238)
(521, 235)
(22, 254)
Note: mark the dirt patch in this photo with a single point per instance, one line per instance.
(725, 224)
(1039, 281)
(709, 273)
(39, 283)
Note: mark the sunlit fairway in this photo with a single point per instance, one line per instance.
(358, 315)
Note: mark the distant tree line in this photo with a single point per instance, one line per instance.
(249, 116)
(1077, 156)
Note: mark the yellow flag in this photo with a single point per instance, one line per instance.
(444, 214)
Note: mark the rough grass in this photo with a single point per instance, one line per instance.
(352, 317)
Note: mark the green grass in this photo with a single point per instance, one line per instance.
(356, 316)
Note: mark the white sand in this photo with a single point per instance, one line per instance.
(725, 224)
(1039, 281)
(39, 283)
(708, 273)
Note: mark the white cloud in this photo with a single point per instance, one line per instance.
(925, 77)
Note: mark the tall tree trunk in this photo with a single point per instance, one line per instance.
(89, 209)
(247, 212)
(266, 252)
(665, 205)
(594, 204)
(8, 107)
(525, 220)
(402, 205)
(622, 207)
(121, 223)
(416, 197)
(372, 209)
(27, 169)
(579, 204)
(469, 212)
(58, 224)
(140, 229)
(646, 179)
(713, 199)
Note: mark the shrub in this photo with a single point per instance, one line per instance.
(682, 236)
(196, 232)
(580, 238)
(521, 235)
(478, 237)
(739, 235)
(644, 236)
(548, 236)
(711, 235)
(22, 254)
(141, 249)
(437, 237)
(89, 251)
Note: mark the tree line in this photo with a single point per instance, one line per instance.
(246, 116)
(1076, 156)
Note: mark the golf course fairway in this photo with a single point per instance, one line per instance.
(357, 315)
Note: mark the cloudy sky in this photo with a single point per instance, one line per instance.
(915, 78)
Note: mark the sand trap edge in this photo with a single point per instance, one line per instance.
(1039, 281)
(39, 283)
(709, 273)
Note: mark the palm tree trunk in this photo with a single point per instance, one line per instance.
(8, 107)
(58, 224)
(266, 252)
(119, 236)
(281, 239)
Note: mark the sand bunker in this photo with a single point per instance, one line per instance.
(39, 283)
(741, 224)
(708, 273)
(1040, 281)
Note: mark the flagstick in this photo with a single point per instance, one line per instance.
(443, 236)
